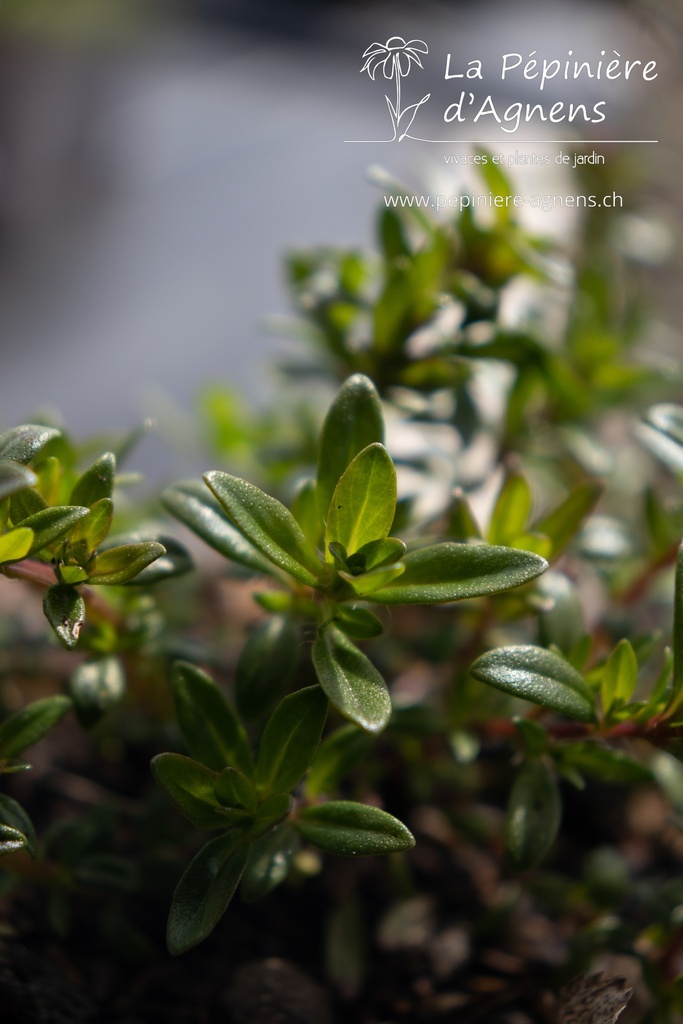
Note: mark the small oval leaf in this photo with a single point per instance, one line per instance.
(26, 727)
(65, 611)
(266, 665)
(451, 572)
(290, 740)
(364, 501)
(338, 754)
(13, 815)
(351, 681)
(204, 892)
(16, 544)
(14, 477)
(351, 829)
(21, 444)
(359, 623)
(96, 482)
(50, 524)
(190, 786)
(534, 814)
(269, 862)
(540, 676)
(119, 565)
(90, 531)
(353, 422)
(619, 676)
(193, 504)
(175, 561)
(210, 727)
(268, 525)
(233, 789)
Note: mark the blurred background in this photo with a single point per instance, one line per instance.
(158, 158)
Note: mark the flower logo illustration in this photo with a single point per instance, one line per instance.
(396, 58)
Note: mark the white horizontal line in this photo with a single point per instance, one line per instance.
(519, 142)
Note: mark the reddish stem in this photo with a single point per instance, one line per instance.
(41, 574)
(636, 590)
(656, 730)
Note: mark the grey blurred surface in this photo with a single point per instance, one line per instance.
(149, 191)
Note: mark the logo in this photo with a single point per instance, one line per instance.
(396, 58)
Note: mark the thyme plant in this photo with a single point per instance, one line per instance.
(505, 558)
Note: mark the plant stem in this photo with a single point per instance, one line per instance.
(41, 574)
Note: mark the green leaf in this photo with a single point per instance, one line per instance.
(270, 860)
(375, 554)
(290, 740)
(15, 477)
(210, 728)
(350, 829)
(450, 572)
(370, 582)
(511, 511)
(619, 676)
(96, 686)
(21, 444)
(50, 473)
(233, 789)
(13, 815)
(119, 565)
(268, 525)
(11, 840)
(72, 574)
(175, 561)
(534, 814)
(26, 503)
(92, 529)
(272, 811)
(193, 505)
(305, 511)
(16, 544)
(266, 665)
(540, 676)
(353, 422)
(190, 786)
(339, 752)
(351, 681)
(97, 482)
(462, 526)
(26, 727)
(65, 611)
(204, 892)
(358, 623)
(564, 521)
(364, 501)
(50, 524)
(601, 763)
(661, 527)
